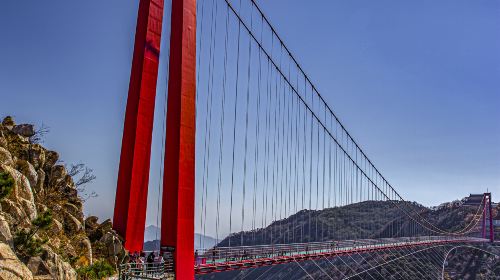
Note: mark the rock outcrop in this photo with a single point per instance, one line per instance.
(5, 235)
(26, 130)
(40, 185)
(10, 266)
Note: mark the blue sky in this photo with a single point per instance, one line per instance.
(417, 84)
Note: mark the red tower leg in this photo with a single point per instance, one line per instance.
(483, 221)
(177, 223)
(133, 176)
(492, 234)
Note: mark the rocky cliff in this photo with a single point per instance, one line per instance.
(43, 232)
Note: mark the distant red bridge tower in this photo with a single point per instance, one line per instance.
(177, 226)
(488, 211)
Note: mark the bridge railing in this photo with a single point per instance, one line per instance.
(241, 253)
(207, 259)
(149, 271)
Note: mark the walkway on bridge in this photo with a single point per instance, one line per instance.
(222, 259)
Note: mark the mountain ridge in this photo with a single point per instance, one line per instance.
(152, 234)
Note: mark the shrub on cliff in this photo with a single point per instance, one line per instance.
(98, 270)
(6, 184)
(25, 242)
(27, 245)
(8, 121)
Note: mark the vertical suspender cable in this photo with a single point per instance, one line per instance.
(221, 143)
(317, 183)
(234, 130)
(207, 130)
(310, 174)
(246, 139)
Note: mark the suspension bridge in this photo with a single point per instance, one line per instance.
(253, 154)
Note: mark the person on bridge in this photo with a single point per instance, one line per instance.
(196, 258)
(159, 262)
(333, 246)
(214, 254)
(142, 261)
(149, 262)
(151, 258)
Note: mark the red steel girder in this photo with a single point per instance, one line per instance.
(252, 263)
(177, 222)
(133, 175)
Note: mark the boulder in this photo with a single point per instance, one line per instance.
(40, 182)
(29, 208)
(71, 224)
(91, 222)
(58, 268)
(56, 228)
(107, 225)
(99, 230)
(41, 207)
(69, 189)
(57, 174)
(113, 246)
(71, 193)
(28, 171)
(3, 142)
(19, 212)
(26, 130)
(86, 249)
(92, 229)
(56, 208)
(5, 157)
(36, 155)
(74, 211)
(17, 216)
(5, 235)
(22, 188)
(51, 158)
(54, 242)
(18, 146)
(11, 267)
(38, 267)
(68, 248)
(8, 122)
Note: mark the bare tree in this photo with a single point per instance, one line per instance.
(39, 135)
(82, 176)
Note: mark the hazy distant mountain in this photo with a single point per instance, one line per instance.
(152, 234)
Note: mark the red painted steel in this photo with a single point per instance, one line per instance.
(487, 204)
(492, 234)
(133, 176)
(483, 221)
(177, 223)
(252, 263)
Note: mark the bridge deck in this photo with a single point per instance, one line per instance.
(244, 257)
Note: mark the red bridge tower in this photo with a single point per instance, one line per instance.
(177, 226)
